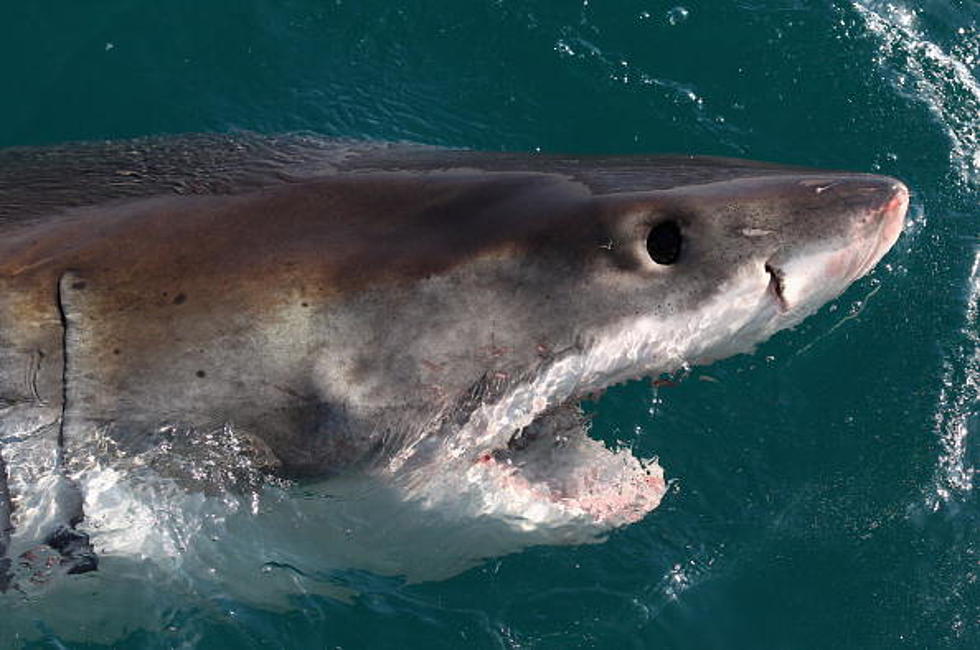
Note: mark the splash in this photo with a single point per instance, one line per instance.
(925, 72)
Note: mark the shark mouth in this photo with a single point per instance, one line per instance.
(527, 459)
(520, 451)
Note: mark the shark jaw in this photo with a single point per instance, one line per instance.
(527, 458)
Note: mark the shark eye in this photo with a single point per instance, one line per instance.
(664, 242)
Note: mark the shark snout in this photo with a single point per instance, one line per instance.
(871, 220)
(891, 216)
(874, 232)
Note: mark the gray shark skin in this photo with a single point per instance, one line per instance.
(426, 316)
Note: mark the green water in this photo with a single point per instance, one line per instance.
(824, 487)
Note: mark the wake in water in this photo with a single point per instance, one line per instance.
(957, 412)
(943, 80)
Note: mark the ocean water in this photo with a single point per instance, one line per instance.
(823, 489)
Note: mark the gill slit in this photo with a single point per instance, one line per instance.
(63, 316)
(6, 526)
(75, 517)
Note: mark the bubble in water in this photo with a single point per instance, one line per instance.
(677, 15)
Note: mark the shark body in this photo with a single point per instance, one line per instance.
(429, 317)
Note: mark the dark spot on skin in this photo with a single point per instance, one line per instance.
(116, 351)
(180, 299)
(78, 285)
(200, 373)
(304, 304)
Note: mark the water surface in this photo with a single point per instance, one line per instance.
(823, 489)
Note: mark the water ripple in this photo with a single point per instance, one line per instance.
(941, 79)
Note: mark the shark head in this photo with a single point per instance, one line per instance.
(628, 285)
(727, 264)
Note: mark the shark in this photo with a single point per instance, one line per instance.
(225, 310)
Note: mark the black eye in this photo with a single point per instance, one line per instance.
(664, 242)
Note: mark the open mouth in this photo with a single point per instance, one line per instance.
(553, 472)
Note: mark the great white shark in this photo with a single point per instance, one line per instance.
(427, 317)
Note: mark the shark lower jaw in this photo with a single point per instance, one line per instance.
(563, 475)
(549, 479)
